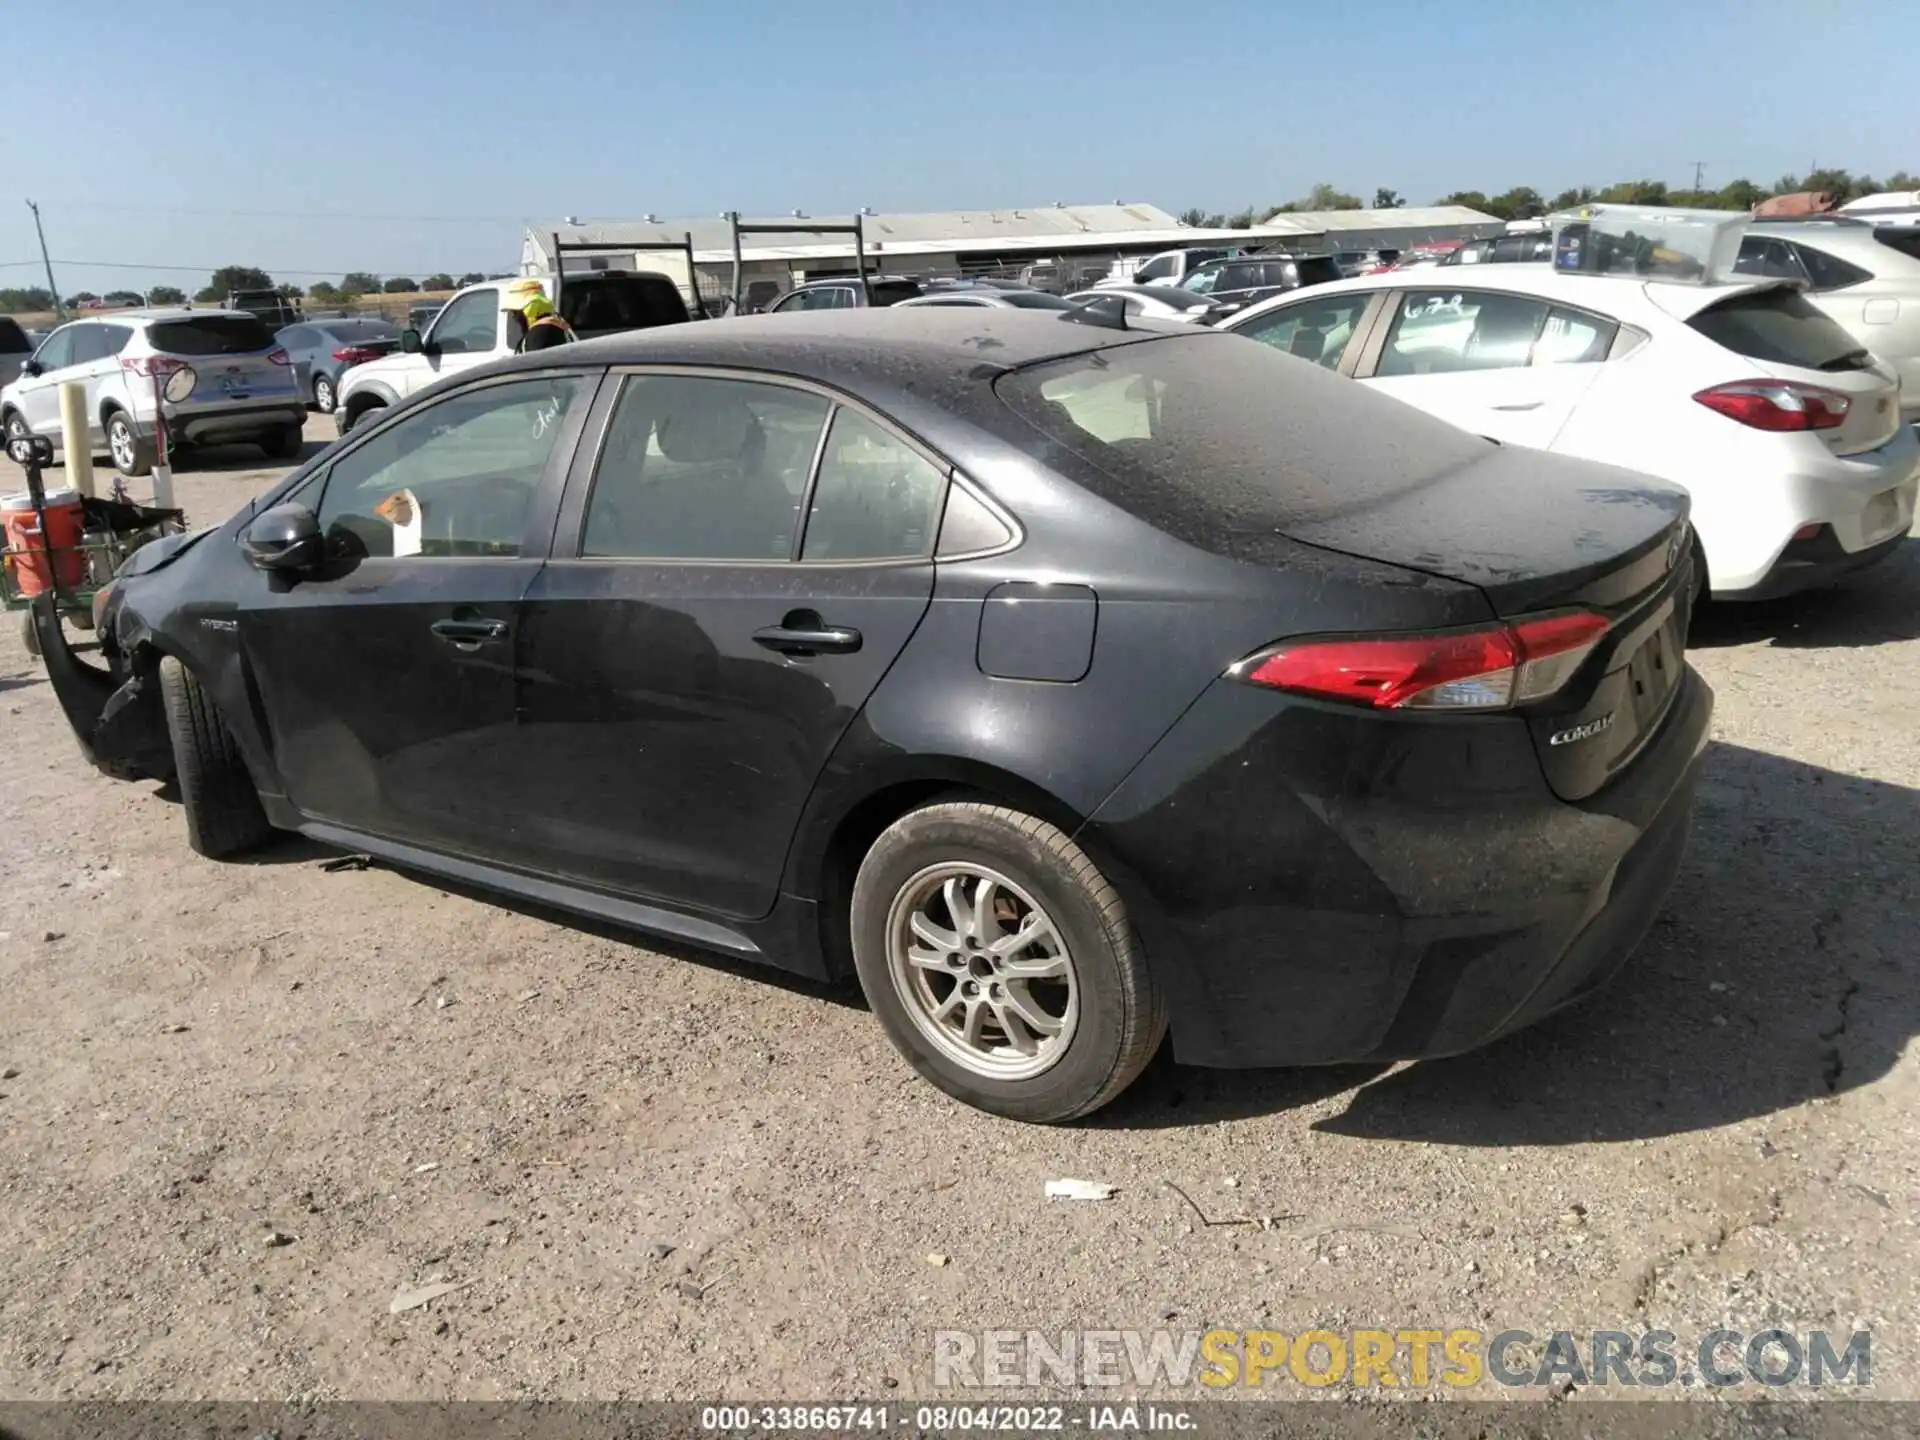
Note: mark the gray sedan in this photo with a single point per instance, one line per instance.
(323, 350)
(987, 298)
(1151, 302)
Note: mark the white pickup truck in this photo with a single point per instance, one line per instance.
(473, 328)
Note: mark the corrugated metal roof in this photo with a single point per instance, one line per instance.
(1409, 217)
(1025, 228)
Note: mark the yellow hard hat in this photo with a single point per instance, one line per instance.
(521, 293)
(538, 308)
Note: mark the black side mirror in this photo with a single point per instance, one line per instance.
(410, 341)
(33, 367)
(31, 450)
(285, 538)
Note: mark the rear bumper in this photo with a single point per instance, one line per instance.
(1340, 888)
(228, 422)
(1809, 564)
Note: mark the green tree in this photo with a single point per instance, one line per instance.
(1385, 199)
(1740, 194)
(229, 278)
(1472, 199)
(166, 295)
(1326, 197)
(1523, 202)
(209, 295)
(1567, 199)
(400, 285)
(472, 277)
(27, 300)
(359, 282)
(1901, 180)
(1635, 192)
(1240, 220)
(441, 281)
(323, 292)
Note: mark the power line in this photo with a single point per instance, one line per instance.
(89, 205)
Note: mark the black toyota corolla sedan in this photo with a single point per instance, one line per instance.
(1068, 684)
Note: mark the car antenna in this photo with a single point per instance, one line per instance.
(1109, 312)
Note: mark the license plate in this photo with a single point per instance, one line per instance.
(1881, 517)
(1653, 671)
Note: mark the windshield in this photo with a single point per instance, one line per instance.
(1224, 443)
(210, 335)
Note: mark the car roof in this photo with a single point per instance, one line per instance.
(824, 345)
(1171, 294)
(1619, 295)
(143, 317)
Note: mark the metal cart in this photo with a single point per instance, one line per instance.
(72, 575)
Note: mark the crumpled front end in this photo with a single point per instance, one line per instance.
(116, 714)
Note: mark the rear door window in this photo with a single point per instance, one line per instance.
(876, 498)
(621, 302)
(89, 344)
(1441, 332)
(1781, 327)
(699, 468)
(210, 335)
(1317, 269)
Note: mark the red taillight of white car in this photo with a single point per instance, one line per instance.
(1778, 404)
(1493, 667)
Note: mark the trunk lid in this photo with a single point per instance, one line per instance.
(1247, 453)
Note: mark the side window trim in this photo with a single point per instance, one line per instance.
(571, 517)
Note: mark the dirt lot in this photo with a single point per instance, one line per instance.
(244, 1105)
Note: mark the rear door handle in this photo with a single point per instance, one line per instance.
(470, 632)
(1522, 405)
(808, 639)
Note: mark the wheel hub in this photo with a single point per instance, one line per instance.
(982, 971)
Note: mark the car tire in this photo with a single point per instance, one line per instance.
(324, 396)
(354, 414)
(15, 426)
(920, 888)
(30, 636)
(283, 443)
(224, 815)
(132, 453)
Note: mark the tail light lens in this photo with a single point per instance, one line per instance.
(1778, 404)
(1493, 667)
(356, 354)
(279, 357)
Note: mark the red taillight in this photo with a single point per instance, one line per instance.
(1490, 668)
(356, 354)
(1778, 404)
(279, 357)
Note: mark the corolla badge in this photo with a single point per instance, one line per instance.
(1584, 731)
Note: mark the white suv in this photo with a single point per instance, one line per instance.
(474, 328)
(223, 377)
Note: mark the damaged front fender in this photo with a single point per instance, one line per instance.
(118, 721)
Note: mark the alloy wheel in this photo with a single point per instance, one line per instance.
(323, 394)
(982, 971)
(120, 441)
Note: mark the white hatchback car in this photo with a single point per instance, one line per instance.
(1785, 431)
(219, 376)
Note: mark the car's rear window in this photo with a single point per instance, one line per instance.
(621, 302)
(1035, 300)
(1318, 269)
(210, 335)
(1780, 327)
(1903, 238)
(892, 292)
(13, 340)
(360, 329)
(1224, 444)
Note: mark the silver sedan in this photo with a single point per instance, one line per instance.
(989, 298)
(1150, 302)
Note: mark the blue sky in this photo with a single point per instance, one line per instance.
(404, 136)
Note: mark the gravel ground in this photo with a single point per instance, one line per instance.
(244, 1105)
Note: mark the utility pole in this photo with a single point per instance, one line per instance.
(59, 310)
(1699, 170)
